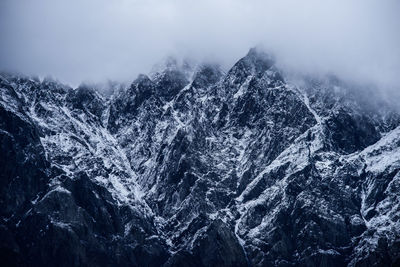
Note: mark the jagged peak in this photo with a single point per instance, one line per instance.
(86, 97)
(255, 62)
(87, 90)
(106, 88)
(259, 60)
(141, 84)
(141, 79)
(207, 74)
(17, 76)
(172, 64)
(171, 76)
(85, 87)
(50, 83)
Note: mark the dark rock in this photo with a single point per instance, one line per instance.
(195, 167)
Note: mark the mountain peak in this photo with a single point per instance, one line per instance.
(255, 64)
(206, 75)
(259, 59)
(173, 64)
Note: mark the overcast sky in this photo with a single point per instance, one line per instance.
(95, 40)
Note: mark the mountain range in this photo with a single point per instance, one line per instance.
(197, 166)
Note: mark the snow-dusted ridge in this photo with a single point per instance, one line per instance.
(196, 166)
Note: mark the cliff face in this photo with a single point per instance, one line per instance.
(197, 167)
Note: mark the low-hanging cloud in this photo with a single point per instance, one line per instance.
(94, 40)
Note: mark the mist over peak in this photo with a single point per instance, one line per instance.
(95, 41)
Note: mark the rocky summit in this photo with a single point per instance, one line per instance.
(197, 166)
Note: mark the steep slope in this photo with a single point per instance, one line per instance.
(88, 211)
(197, 167)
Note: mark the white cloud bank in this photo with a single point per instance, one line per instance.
(94, 40)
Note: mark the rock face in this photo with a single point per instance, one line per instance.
(197, 167)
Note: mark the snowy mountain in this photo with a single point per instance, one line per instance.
(197, 167)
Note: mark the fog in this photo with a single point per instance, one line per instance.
(96, 40)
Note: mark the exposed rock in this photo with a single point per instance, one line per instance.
(197, 167)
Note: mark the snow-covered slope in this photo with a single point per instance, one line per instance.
(198, 167)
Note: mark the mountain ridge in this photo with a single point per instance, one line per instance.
(243, 168)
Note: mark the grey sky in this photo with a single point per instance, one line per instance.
(94, 40)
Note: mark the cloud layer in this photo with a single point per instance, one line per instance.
(94, 40)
